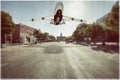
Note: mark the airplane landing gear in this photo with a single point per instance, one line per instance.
(63, 22)
(51, 22)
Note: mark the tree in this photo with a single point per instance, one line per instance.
(44, 36)
(37, 34)
(75, 35)
(69, 39)
(112, 22)
(51, 38)
(82, 33)
(111, 36)
(93, 31)
(79, 33)
(7, 24)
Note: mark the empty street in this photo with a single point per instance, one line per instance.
(58, 60)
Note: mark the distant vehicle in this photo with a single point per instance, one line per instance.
(58, 17)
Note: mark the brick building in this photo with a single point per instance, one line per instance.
(23, 34)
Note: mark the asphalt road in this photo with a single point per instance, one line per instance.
(58, 60)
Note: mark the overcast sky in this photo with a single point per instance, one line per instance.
(24, 11)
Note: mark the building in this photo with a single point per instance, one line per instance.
(61, 38)
(23, 34)
(100, 20)
(6, 39)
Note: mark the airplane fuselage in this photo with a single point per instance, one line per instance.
(58, 13)
(58, 17)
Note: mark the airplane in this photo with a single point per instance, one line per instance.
(58, 17)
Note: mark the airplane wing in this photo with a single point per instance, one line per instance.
(50, 18)
(66, 18)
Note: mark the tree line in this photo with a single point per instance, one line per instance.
(109, 32)
(43, 37)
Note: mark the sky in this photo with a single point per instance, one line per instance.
(24, 11)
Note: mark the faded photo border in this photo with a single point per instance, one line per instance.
(58, 79)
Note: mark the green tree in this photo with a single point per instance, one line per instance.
(79, 33)
(44, 36)
(69, 39)
(51, 38)
(37, 34)
(93, 31)
(75, 35)
(112, 22)
(7, 24)
(82, 33)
